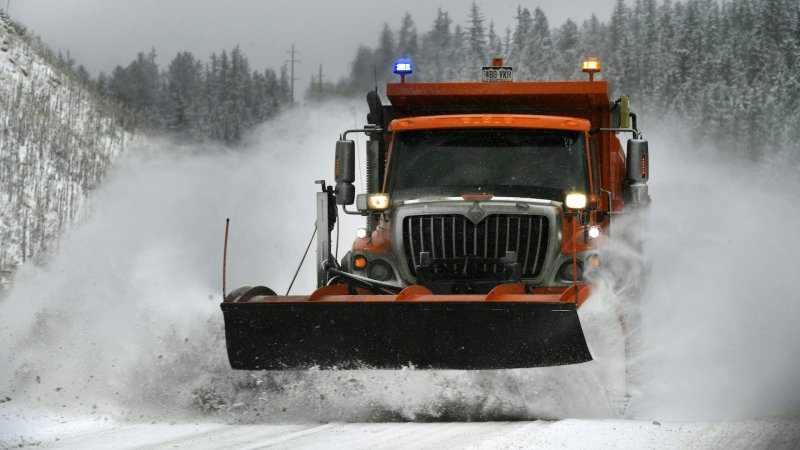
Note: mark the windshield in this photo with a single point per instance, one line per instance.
(504, 162)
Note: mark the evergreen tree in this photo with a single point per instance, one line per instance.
(435, 54)
(539, 55)
(407, 45)
(459, 67)
(137, 87)
(617, 42)
(477, 38)
(361, 71)
(568, 57)
(519, 45)
(386, 52)
(183, 94)
(495, 43)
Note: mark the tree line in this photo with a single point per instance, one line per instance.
(191, 100)
(218, 100)
(727, 70)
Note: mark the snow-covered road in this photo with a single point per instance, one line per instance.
(769, 433)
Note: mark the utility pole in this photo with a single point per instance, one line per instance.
(319, 84)
(292, 62)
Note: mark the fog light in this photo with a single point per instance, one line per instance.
(380, 270)
(566, 273)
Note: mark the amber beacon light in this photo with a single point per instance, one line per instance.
(591, 66)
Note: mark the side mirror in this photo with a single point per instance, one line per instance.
(637, 172)
(638, 161)
(345, 172)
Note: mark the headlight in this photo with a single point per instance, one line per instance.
(378, 202)
(361, 232)
(575, 201)
(594, 231)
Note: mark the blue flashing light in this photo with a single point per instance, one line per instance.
(403, 67)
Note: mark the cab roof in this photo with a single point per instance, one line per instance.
(489, 121)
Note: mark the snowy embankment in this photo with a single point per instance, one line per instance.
(56, 144)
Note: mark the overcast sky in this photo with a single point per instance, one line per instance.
(101, 34)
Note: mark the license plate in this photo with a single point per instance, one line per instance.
(497, 74)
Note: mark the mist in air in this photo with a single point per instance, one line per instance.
(720, 314)
(124, 321)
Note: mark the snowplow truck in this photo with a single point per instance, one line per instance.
(486, 205)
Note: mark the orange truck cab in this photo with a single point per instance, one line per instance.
(466, 181)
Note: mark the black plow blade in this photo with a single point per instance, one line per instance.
(391, 335)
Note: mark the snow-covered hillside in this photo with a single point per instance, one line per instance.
(56, 144)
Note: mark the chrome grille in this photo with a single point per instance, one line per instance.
(449, 236)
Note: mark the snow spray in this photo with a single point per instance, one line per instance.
(720, 314)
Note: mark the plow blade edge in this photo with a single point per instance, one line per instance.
(295, 335)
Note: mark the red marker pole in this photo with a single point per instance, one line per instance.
(225, 258)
